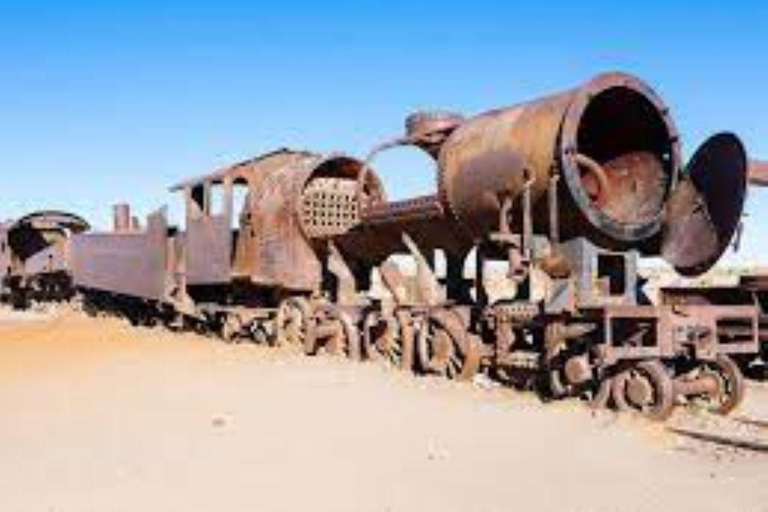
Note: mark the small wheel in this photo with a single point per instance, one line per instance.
(259, 332)
(730, 384)
(645, 387)
(230, 328)
(445, 348)
(295, 324)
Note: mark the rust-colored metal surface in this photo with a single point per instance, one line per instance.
(292, 201)
(752, 289)
(590, 135)
(131, 264)
(556, 200)
(611, 139)
(35, 255)
(36, 231)
(601, 161)
(758, 173)
(706, 208)
(423, 218)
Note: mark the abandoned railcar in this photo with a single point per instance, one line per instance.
(34, 256)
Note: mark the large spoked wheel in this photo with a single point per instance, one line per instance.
(445, 348)
(380, 337)
(389, 338)
(647, 388)
(295, 324)
(334, 332)
(730, 381)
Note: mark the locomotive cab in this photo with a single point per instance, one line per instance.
(256, 226)
(213, 228)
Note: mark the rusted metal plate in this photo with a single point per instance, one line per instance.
(329, 207)
(705, 210)
(751, 292)
(281, 256)
(209, 250)
(54, 258)
(131, 264)
(669, 331)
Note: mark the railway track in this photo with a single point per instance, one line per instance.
(762, 424)
(751, 435)
(739, 442)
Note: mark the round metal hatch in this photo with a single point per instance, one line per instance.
(705, 209)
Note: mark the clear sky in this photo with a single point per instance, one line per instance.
(107, 101)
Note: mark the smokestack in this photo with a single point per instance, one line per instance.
(122, 217)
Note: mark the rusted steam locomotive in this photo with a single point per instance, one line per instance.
(522, 264)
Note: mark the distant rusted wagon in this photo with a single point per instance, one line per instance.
(34, 256)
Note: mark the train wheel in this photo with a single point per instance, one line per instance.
(295, 324)
(730, 385)
(445, 348)
(230, 328)
(390, 337)
(645, 387)
(376, 326)
(346, 339)
(259, 332)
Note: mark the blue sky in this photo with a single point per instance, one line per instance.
(102, 102)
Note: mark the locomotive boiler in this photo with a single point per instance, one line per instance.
(568, 192)
(522, 264)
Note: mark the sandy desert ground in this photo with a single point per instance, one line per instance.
(96, 415)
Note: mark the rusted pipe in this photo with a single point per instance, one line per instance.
(122, 217)
(597, 171)
(527, 215)
(362, 177)
(758, 173)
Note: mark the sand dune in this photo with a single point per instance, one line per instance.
(98, 416)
